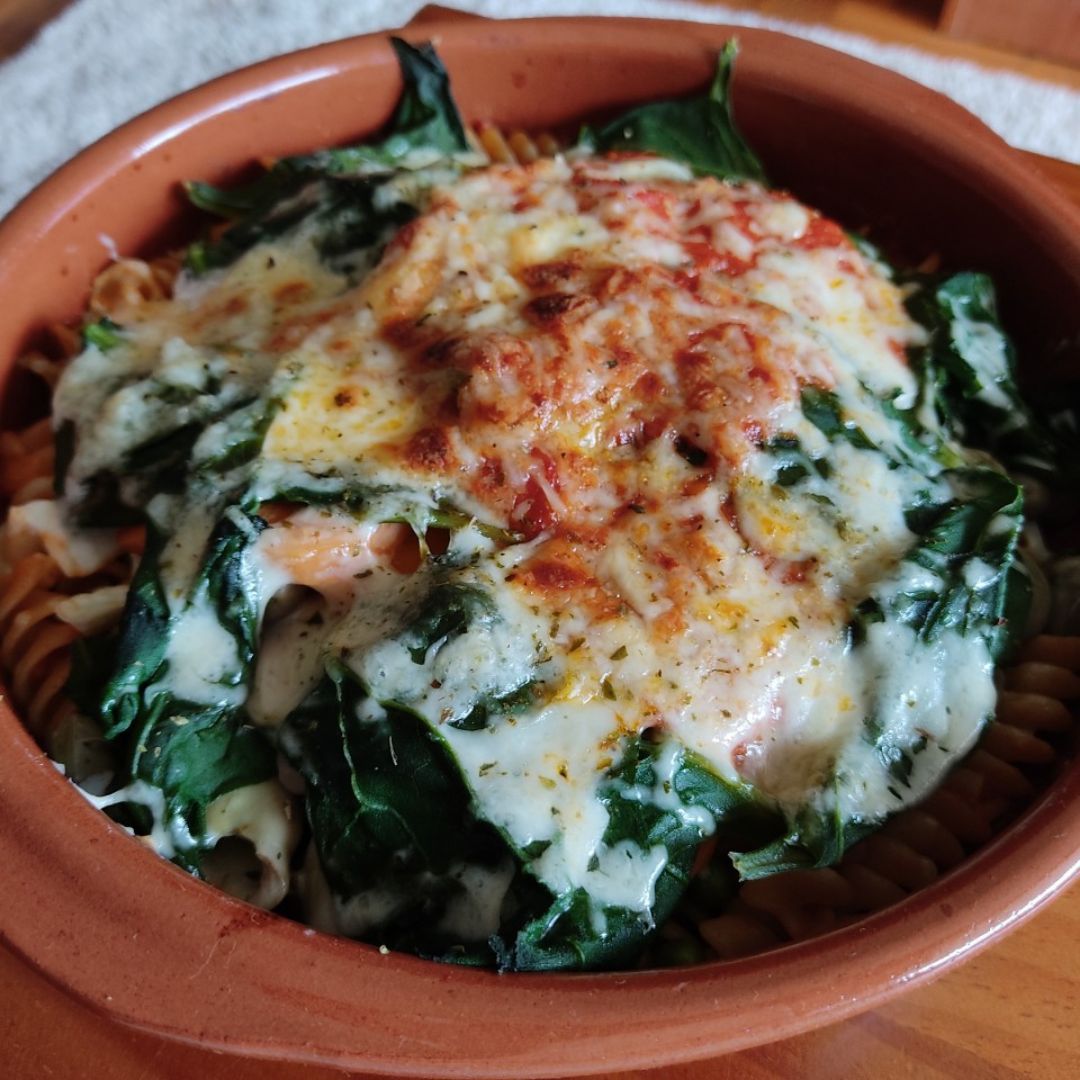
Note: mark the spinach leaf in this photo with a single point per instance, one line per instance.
(191, 432)
(448, 612)
(103, 334)
(967, 372)
(381, 791)
(814, 839)
(424, 128)
(698, 131)
(455, 662)
(230, 586)
(652, 804)
(823, 409)
(140, 651)
(240, 436)
(393, 824)
(960, 575)
(388, 804)
(968, 546)
(793, 464)
(340, 215)
(193, 753)
(338, 194)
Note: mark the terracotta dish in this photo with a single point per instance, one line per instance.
(137, 939)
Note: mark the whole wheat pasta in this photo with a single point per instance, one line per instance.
(123, 290)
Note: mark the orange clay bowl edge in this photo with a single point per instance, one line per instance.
(137, 939)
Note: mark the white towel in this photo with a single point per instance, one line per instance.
(103, 61)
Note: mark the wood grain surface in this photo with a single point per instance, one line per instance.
(1049, 28)
(1013, 1011)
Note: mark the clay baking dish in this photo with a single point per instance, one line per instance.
(135, 938)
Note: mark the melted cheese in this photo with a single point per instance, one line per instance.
(598, 358)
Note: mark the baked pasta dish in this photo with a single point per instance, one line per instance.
(538, 560)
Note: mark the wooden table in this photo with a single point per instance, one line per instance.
(1013, 1011)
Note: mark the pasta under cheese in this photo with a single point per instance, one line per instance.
(311, 541)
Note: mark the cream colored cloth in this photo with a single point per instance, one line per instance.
(103, 61)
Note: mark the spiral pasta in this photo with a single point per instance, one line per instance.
(123, 290)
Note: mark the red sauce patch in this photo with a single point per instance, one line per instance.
(795, 573)
(548, 275)
(556, 307)
(532, 514)
(429, 449)
(548, 574)
(292, 292)
(821, 233)
(659, 202)
(706, 257)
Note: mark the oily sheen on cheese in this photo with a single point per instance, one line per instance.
(589, 364)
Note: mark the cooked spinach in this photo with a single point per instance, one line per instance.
(339, 195)
(103, 334)
(382, 794)
(793, 464)
(645, 811)
(192, 752)
(424, 127)
(823, 409)
(968, 544)
(814, 838)
(967, 373)
(393, 818)
(140, 651)
(699, 131)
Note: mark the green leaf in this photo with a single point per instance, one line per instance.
(698, 131)
(333, 193)
(381, 790)
(242, 435)
(969, 544)
(392, 820)
(448, 612)
(426, 122)
(103, 334)
(232, 589)
(793, 464)
(452, 610)
(967, 373)
(823, 409)
(648, 806)
(814, 839)
(193, 754)
(140, 651)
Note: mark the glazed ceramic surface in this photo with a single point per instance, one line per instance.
(134, 937)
